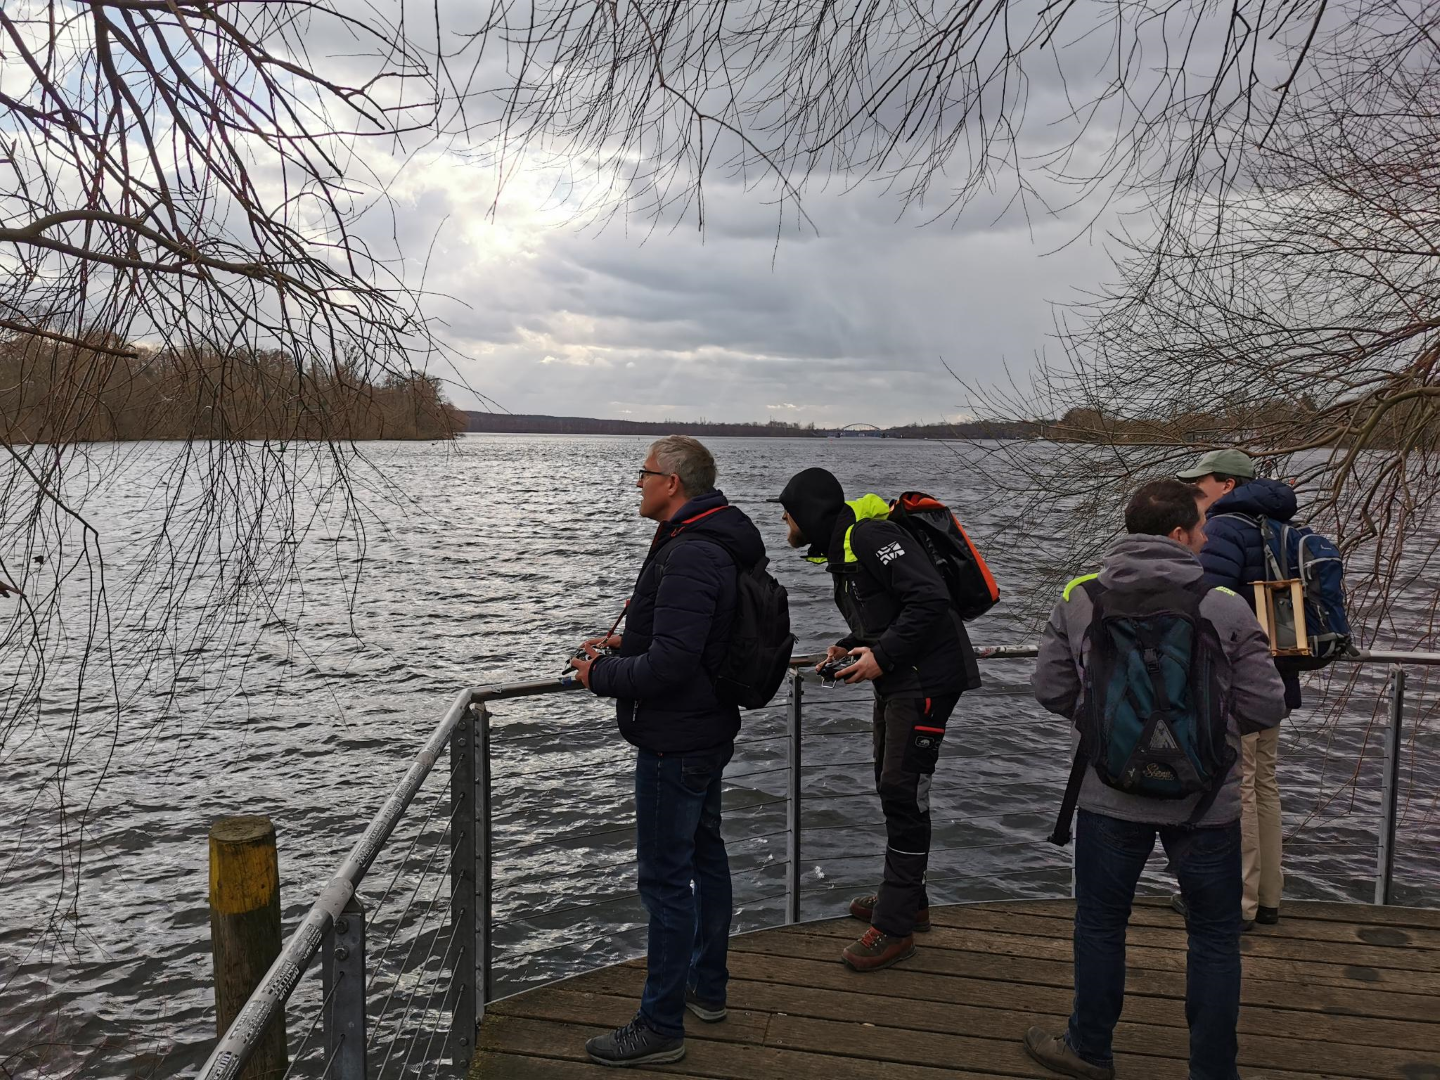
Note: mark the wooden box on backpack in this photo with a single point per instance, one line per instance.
(1265, 595)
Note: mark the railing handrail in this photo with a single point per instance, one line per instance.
(233, 1048)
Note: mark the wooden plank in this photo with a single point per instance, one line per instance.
(1324, 996)
(1396, 951)
(1001, 1055)
(494, 1065)
(1157, 959)
(1353, 1000)
(550, 1042)
(807, 988)
(1291, 926)
(571, 1004)
(1425, 918)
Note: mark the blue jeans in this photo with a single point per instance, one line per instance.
(1109, 856)
(684, 881)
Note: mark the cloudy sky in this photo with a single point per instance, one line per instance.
(850, 321)
(850, 317)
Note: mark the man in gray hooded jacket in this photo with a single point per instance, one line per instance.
(1116, 830)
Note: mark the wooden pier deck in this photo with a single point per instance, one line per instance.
(1346, 991)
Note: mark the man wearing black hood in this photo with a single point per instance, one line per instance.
(909, 640)
(677, 629)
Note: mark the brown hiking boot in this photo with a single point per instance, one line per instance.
(1053, 1051)
(876, 950)
(863, 908)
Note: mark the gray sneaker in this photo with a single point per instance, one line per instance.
(1053, 1051)
(635, 1044)
(709, 1011)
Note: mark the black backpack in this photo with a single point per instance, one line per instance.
(758, 658)
(1152, 716)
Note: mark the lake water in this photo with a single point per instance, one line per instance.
(483, 562)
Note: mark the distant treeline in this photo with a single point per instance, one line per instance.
(59, 393)
(511, 423)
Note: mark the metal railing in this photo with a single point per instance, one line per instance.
(463, 969)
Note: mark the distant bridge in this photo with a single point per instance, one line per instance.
(859, 429)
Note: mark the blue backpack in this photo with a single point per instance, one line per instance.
(1298, 551)
(1152, 718)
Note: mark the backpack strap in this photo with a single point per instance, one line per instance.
(1061, 834)
(1207, 800)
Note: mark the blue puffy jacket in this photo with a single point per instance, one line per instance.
(677, 629)
(1234, 552)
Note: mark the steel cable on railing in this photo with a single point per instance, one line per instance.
(434, 984)
(566, 768)
(632, 895)
(400, 920)
(405, 859)
(727, 778)
(405, 964)
(435, 1031)
(310, 1031)
(334, 1055)
(1060, 867)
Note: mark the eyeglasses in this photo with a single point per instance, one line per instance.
(651, 472)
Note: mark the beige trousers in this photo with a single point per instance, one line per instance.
(1260, 822)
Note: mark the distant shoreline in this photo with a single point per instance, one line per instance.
(536, 424)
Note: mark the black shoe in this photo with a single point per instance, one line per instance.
(1246, 925)
(1267, 916)
(635, 1044)
(708, 1011)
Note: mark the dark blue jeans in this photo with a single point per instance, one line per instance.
(1109, 856)
(684, 881)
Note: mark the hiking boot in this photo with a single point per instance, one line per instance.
(863, 908)
(1267, 916)
(1053, 1051)
(877, 949)
(1246, 925)
(637, 1043)
(708, 1011)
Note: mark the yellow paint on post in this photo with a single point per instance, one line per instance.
(244, 869)
(245, 929)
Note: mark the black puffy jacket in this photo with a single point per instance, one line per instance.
(889, 592)
(677, 628)
(1234, 551)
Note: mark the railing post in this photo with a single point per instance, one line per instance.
(470, 879)
(1390, 787)
(343, 967)
(792, 802)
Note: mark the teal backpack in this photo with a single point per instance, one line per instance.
(1152, 717)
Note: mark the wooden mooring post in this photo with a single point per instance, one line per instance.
(245, 928)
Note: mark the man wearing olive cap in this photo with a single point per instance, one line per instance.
(1234, 556)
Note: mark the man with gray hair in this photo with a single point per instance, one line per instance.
(677, 631)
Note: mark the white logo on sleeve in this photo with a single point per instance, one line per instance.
(889, 553)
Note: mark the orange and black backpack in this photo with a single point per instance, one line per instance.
(938, 531)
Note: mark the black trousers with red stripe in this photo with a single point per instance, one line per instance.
(908, 732)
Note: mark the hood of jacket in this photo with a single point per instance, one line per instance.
(1142, 560)
(814, 499)
(711, 515)
(1270, 498)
